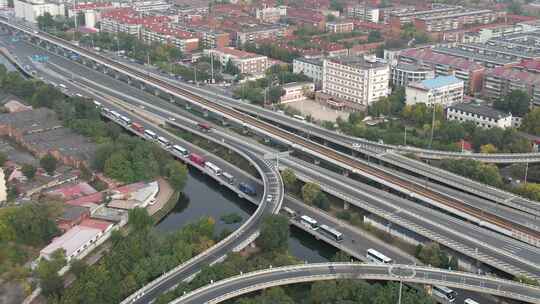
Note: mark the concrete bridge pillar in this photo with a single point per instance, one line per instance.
(205, 113)
(345, 173)
(116, 75)
(171, 98)
(346, 205)
(188, 106)
(317, 161)
(266, 139)
(156, 92)
(142, 86)
(128, 80)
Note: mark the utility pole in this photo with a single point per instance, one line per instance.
(400, 291)
(432, 127)
(212, 67)
(405, 137)
(526, 171)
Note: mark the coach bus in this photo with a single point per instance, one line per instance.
(181, 150)
(331, 232)
(212, 167)
(163, 141)
(445, 293)
(377, 257)
(309, 222)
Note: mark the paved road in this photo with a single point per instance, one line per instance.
(249, 282)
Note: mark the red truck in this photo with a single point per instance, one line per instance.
(137, 127)
(204, 127)
(199, 160)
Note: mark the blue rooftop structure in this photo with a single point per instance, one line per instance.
(439, 82)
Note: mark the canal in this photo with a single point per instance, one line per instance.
(205, 197)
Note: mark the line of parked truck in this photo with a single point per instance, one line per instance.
(178, 150)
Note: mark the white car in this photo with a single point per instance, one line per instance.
(172, 119)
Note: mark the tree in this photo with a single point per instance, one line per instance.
(29, 171)
(119, 167)
(177, 174)
(3, 158)
(322, 202)
(531, 122)
(488, 149)
(275, 93)
(274, 234)
(289, 178)
(231, 69)
(517, 103)
(48, 163)
(374, 36)
(47, 272)
(77, 267)
(310, 191)
(139, 219)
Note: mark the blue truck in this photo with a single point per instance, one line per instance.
(247, 189)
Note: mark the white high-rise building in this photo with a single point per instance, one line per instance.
(31, 9)
(356, 79)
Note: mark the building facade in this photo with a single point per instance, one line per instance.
(255, 32)
(269, 14)
(311, 67)
(443, 90)
(339, 27)
(296, 91)
(501, 81)
(247, 63)
(360, 12)
(185, 41)
(403, 74)
(30, 10)
(481, 115)
(355, 79)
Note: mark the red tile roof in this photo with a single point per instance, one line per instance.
(166, 30)
(522, 77)
(93, 5)
(429, 56)
(529, 65)
(85, 200)
(97, 224)
(129, 16)
(74, 191)
(237, 53)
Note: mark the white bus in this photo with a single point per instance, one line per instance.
(333, 233)
(299, 117)
(106, 110)
(470, 301)
(115, 114)
(150, 134)
(63, 86)
(309, 222)
(97, 104)
(377, 257)
(212, 167)
(125, 120)
(181, 150)
(163, 141)
(228, 177)
(445, 293)
(289, 212)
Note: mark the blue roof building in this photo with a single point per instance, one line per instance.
(442, 90)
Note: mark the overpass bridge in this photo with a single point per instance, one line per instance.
(245, 283)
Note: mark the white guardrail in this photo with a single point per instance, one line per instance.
(420, 274)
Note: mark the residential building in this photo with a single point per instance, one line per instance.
(485, 34)
(487, 59)
(457, 20)
(77, 239)
(311, 67)
(501, 81)
(403, 74)
(470, 72)
(481, 115)
(209, 38)
(364, 13)
(356, 79)
(268, 14)
(162, 33)
(306, 17)
(401, 17)
(342, 26)
(71, 216)
(442, 90)
(255, 32)
(91, 11)
(247, 63)
(150, 6)
(29, 10)
(296, 91)
(127, 20)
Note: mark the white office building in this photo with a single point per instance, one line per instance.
(403, 74)
(370, 14)
(311, 67)
(296, 91)
(442, 90)
(481, 115)
(356, 79)
(30, 10)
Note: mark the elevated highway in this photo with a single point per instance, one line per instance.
(258, 280)
(524, 233)
(452, 232)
